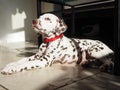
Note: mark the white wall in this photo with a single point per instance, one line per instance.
(15, 21)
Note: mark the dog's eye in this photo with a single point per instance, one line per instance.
(48, 19)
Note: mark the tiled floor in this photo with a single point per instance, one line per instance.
(57, 77)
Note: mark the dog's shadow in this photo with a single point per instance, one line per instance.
(27, 51)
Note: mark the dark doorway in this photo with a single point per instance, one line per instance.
(97, 24)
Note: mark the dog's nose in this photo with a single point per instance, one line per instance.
(35, 21)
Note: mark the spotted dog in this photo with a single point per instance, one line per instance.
(58, 48)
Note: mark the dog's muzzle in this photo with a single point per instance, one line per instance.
(34, 22)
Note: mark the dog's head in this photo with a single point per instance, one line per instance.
(49, 25)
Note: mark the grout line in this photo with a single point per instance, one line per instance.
(4, 87)
(74, 81)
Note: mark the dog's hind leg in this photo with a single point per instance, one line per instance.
(84, 60)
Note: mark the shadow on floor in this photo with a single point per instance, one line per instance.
(27, 51)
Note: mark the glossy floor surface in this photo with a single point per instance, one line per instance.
(56, 77)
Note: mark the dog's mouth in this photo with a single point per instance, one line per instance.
(35, 26)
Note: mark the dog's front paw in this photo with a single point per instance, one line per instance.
(9, 69)
(14, 67)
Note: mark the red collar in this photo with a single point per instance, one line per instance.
(54, 38)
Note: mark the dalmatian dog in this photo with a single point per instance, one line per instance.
(58, 48)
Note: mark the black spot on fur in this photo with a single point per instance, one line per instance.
(72, 44)
(41, 59)
(96, 49)
(60, 54)
(64, 48)
(58, 44)
(54, 48)
(37, 56)
(83, 43)
(68, 55)
(47, 63)
(47, 35)
(90, 53)
(74, 50)
(70, 41)
(40, 49)
(25, 68)
(45, 30)
(90, 43)
(52, 51)
(61, 46)
(21, 70)
(32, 67)
(53, 57)
(45, 58)
(29, 59)
(62, 29)
(98, 41)
(44, 46)
(78, 42)
(37, 66)
(101, 48)
(73, 56)
(48, 56)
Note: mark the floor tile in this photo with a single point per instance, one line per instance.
(56, 77)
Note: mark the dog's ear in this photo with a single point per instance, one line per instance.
(61, 26)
